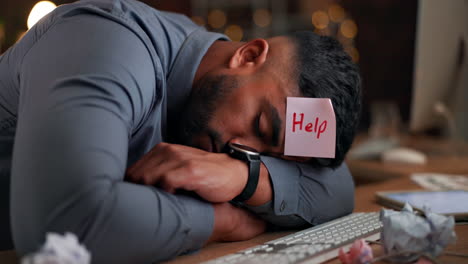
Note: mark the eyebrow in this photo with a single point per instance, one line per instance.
(275, 124)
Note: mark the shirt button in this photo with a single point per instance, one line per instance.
(282, 206)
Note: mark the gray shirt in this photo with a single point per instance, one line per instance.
(88, 91)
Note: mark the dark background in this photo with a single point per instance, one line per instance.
(385, 38)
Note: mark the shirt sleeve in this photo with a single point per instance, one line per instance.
(83, 86)
(304, 195)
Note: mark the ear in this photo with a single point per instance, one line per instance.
(251, 54)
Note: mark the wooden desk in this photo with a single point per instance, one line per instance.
(442, 157)
(364, 202)
(372, 171)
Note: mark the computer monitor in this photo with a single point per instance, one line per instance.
(441, 67)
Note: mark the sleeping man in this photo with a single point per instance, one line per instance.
(115, 119)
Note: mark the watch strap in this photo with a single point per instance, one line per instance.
(252, 181)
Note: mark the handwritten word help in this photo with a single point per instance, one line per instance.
(297, 122)
(310, 127)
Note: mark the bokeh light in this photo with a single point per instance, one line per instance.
(353, 53)
(234, 32)
(39, 10)
(262, 17)
(198, 20)
(217, 18)
(348, 28)
(320, 19)
(336, 13)
(323, 32)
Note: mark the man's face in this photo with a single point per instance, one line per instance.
(225, 109)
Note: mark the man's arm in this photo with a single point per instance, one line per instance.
(290, 194)
(81, 96)
(301, 194)
(264, 192)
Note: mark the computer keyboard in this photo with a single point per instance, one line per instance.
(313, 245)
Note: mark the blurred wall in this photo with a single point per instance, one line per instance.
(386, 39)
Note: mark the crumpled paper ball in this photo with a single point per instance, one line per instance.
(405, 231)
(59, 249)
(359, 253)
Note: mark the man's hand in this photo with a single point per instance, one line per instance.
(215, 177)
(235, 224)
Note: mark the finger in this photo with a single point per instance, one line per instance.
(142, 170)
(163, 152)
(189, 150)
(161, 159)
(155, 174)
(135, 171)
(170, 158)
(182, 177)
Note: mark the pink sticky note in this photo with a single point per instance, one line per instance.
(310, 127)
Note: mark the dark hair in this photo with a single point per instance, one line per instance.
(324, 70)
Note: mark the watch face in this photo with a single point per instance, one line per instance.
(244, 148)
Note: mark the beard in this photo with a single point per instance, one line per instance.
(202, 104)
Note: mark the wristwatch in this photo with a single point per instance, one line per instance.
(252, 157)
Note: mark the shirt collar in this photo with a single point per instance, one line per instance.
(180, 79)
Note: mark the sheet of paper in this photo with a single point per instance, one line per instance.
(310, 127)
(439, 181)
(405, 231)
(59, 249)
